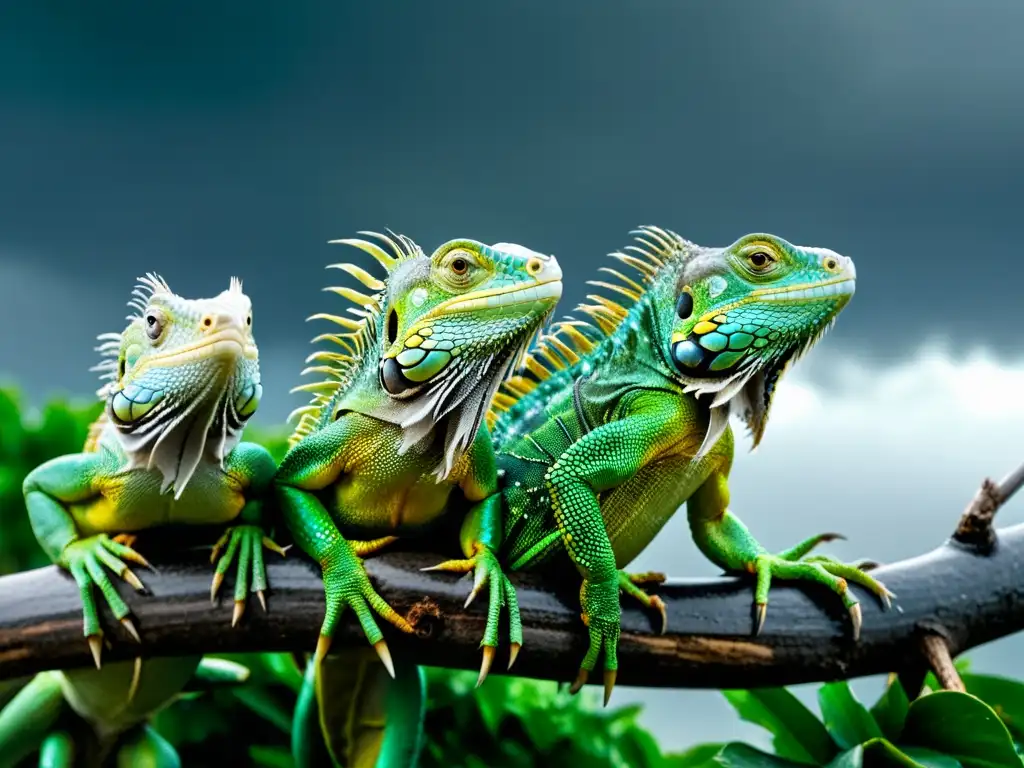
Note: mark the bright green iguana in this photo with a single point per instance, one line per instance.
(611, 427)
(396, 432)
(183, 381)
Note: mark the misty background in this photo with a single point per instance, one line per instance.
(204, 140)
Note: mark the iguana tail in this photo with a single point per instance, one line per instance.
(28, 718)
(367, 720)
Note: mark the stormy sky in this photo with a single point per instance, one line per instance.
(201, 142)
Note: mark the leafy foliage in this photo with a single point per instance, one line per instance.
(940, 729)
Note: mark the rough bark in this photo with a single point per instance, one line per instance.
(964, 593)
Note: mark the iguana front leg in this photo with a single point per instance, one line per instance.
(602, 459)
(481, 540)
(727, 542)
(252, 467)
(312, 465)
(48, 489)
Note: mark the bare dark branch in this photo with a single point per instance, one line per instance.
(967, 597)
(975, 528)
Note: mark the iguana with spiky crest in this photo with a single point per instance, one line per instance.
(182, 380)
(395, 432)
(612, 424)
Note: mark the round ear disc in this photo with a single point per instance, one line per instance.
(684, 305)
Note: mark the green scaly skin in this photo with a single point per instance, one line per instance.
(183, 381)
(396, 432)
(613, 426)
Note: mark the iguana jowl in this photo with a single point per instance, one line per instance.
(395, 432)
(610, 427)
(183, 381)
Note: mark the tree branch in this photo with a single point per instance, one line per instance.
(956, 592)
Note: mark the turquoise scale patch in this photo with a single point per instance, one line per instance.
(729, 328)
(714, 342)
(740, 340)
(725, 360)
(430, 366)
(410, 357)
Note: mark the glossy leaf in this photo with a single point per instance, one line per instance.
(962, 726)
(797, 733)
(890, 712)
(846, 718)
(1004, 695)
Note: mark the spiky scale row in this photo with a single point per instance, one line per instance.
(358, 335)
(570, 339)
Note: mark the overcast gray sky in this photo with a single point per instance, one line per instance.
(202, 142)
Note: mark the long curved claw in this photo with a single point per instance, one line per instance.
(513, 653)
(385, 656)
(762, 614)
(273, 546)
(323, 645)
(855, 617)
(218, 579)
(609, 684)
(133, 580)
(262, 598)
(130, 626)
(236, 615)
(580, 681)
(96, 646)
(485, 665)
(659, 605)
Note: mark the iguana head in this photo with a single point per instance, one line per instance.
(453, 326)
(740, 315)
(184, 378)
(435, 340)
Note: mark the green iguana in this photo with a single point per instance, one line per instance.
(183, 381)
(609, 428)
(394, 434)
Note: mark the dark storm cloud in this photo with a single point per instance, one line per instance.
(203, 142)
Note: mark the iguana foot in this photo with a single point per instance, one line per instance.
(487, 571)
(247, 542)
(822, 569)
(629, 583)
(85, 559)
(602, 617)
(346, 583)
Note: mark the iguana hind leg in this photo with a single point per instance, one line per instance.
(727, 542)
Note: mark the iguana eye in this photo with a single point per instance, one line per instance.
(760, 261)
(459, 265)
(154, 326)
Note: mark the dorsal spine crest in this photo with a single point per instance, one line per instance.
(338, 368)
(571, 341)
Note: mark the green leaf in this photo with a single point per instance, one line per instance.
(884, 754)
(797, 733)
(700, 756)
(851, 758)
(737, 755)
(962, 726)
(846, 718)
(891, 710)
(1005, 696)
(271, 757)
